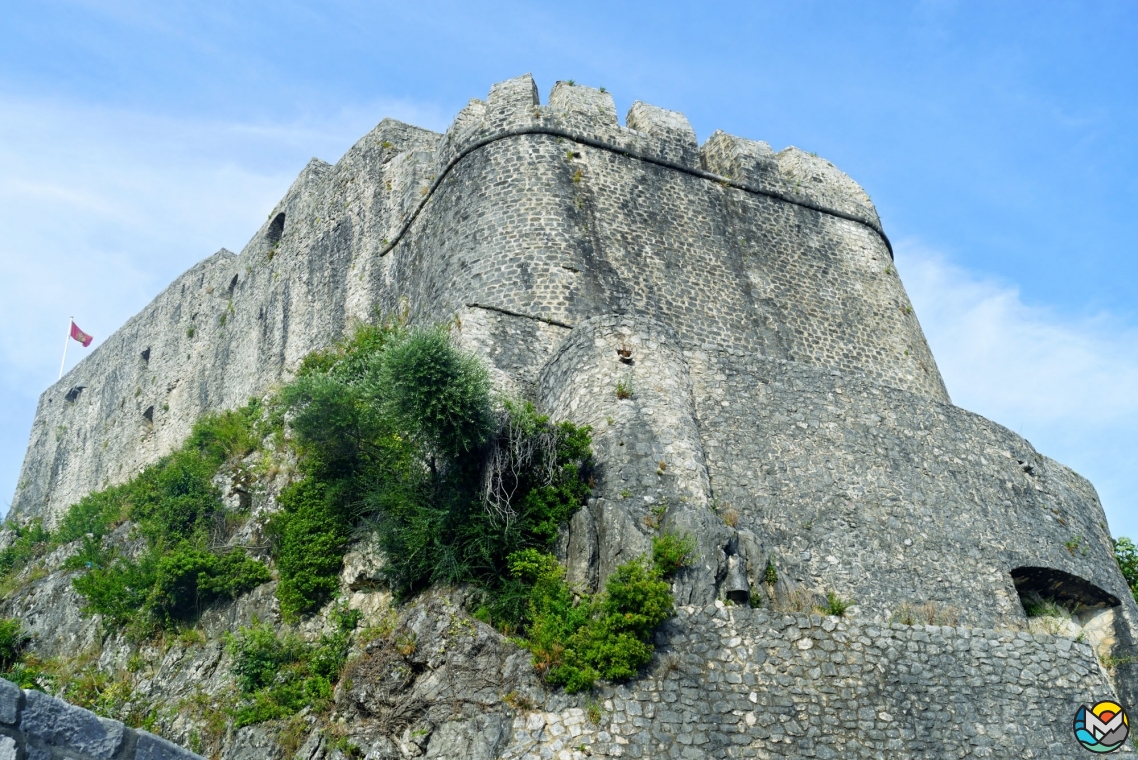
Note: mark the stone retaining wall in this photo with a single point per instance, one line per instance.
(36, 726)
(736, 682)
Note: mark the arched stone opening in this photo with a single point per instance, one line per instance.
(1059, 603)
(276, 230)
(1067, 590)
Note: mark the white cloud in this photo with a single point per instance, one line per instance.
(1067, 384)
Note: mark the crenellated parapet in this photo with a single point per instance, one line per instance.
(588, 115)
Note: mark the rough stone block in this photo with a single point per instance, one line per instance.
(513, 94)
(59, 724)
(37, 753)
(575, 98)
(824, 183)
(11, 697)
(8, 748)
(748, 161)
(659, 122)
(151, 747)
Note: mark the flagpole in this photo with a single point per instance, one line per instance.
(65, 342)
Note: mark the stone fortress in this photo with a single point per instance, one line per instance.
(782, 406)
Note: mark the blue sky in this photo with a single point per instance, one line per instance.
(997, 140)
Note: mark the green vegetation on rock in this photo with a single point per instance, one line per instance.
(177, 512)
(1127, 555)
(576, 639)
(278, 676)
(397, 434)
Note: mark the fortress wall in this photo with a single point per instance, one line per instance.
(846, 486)
(735, 682)
(253, 317)
(650, 468)
(542, 226)
(881, 496)
(130, 410)
(551, 236)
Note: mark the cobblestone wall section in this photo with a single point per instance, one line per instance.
(735, 682)
(35, 726)
(568, 231)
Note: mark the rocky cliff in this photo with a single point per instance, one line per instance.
(788, 414)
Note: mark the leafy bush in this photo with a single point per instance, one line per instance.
(17, 664)
(280, 676)
(111, 697)
(671, 552)
(835, 605)
(396, 434)
(312, 533)
(31, 541)
(13, 639)
(604, 636)
(178, 511)
(1127, 555)
(437, 394)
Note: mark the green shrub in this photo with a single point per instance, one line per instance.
(1127, 555)
(31, 541)
(396, 434)
(835, 605)
(110, 697)
(13, 639)
(177, 510)
(604, 636)
(671, 552)
(163, 590)
(280, 676)
(770, 574)
(16, 663)
(438, 394)
(311, 533)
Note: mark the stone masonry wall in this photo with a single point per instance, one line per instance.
(735, 682)
(553, 214)
(35, 726)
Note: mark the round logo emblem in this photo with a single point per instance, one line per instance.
(1103, 727)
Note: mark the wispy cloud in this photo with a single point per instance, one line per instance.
(1069, 384)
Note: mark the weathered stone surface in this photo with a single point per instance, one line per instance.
(11, 699)
(69, 728)
(151, 747)
(8, 748)
(735, 682)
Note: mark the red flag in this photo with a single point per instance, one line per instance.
(80, 336)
